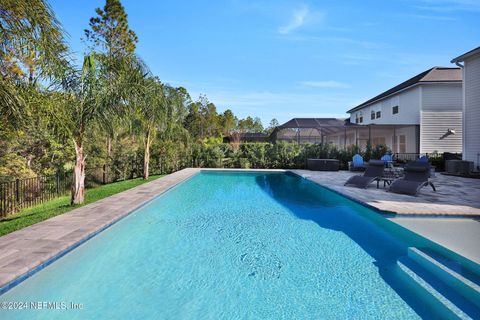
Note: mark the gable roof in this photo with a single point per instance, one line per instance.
(435, 74)
(466, 55)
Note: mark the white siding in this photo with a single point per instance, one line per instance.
(408, 102)
(433, 129)
(442, 97)
(471, 76)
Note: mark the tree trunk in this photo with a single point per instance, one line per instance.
(146, 156)
(78, 186)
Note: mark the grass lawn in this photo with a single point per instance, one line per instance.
(57, 206)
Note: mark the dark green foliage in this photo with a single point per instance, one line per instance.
(109, 30)
(283, 155)
(368, 152)
(379, 151)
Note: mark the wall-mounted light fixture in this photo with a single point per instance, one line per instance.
(448, 133)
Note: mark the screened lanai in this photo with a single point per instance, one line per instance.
(342, 133)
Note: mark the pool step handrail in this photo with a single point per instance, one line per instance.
(469, 289)
(433, 297)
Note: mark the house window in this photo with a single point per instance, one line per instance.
(360, 120)
(379, 114)
(356, 118)
(395, 110)
(372, 115)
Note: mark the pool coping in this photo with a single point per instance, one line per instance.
(148, 192)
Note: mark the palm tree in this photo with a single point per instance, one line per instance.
(32, 46)
(150, 114)
(81, 103)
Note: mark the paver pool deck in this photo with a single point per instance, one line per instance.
(24, 250)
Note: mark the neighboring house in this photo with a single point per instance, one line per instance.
(471, 105)
(420, 115)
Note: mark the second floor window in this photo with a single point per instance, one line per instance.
(379, 114)
(372, 115)
(360, 120)
(395, 110)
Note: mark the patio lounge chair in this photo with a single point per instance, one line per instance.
(357, 163)
(416, 177)
(373, 172)
(387, 159)
(423, 159)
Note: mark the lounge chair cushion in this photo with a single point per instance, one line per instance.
(406, 186)
(360, 181)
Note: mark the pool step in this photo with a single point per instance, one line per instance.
(449, 272)
(434, 293)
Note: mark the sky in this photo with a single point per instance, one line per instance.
(284, 59)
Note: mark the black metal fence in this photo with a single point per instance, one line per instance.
(436, 159)
(24, 193)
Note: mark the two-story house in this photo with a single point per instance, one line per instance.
(471, 105)
(420, 115)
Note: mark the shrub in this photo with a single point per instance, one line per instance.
(379, 151)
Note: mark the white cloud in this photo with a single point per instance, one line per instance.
(299, 18)
(341, 40)
(429, 17)
(325, 84)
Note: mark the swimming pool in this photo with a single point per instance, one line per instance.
(234, 245)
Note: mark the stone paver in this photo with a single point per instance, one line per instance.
(23, 250)
(455, 196)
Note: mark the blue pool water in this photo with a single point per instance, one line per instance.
(232, 246)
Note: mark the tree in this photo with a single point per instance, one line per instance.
(110, 31)
(210, 119)
(82, 103)
(150, 113)
(193, 121)
(271, 126)
(228, 122)
(250, 125)
(110, 36)
(32, 46)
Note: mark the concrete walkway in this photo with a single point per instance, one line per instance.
(24, 250)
